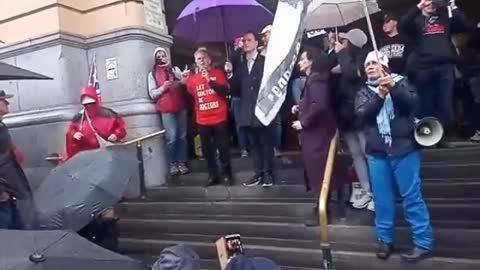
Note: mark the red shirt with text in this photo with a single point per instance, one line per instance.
(210, 107)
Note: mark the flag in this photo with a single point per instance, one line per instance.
(283, 49)
(93, 78)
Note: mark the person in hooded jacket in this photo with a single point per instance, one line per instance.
(349, 81)
(386, 104)
(167, 92)
(93, 126)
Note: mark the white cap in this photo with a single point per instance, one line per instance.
(267, 28)
(356, 36)
(377, 57)
(88, 100)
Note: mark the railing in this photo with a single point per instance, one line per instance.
(56, 158)
(322, 204)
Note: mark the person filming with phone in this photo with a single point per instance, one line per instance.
(386, 104)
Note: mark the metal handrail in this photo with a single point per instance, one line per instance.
(143, 138)
(322, 204)
(56, 157)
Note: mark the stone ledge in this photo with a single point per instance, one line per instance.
(126, 108)
(84, 42)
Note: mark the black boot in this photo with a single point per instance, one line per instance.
(213, 179)
(384, 250)
(313, 219)
(227, 178)
(417, 254)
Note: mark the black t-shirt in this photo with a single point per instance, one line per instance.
(397, 49)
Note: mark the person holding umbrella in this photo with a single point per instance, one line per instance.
(93, 126)
(13, 182)
(386, 104)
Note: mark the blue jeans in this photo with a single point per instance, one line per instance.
(175, 125)
(404, 173)
(10, 218)
(297, 87)
(435, 92)
(244, 140)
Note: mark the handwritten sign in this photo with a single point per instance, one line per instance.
(154, 13)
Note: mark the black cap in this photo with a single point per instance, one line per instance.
(389, 17)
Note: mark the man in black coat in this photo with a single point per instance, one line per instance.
(248, 77)
(13, 182)
(432, 62)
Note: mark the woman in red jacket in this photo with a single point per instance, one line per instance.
(93, 126)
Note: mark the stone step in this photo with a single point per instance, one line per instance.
(444, 211)
(294, 159)
(296, 175)
(466, 189)
(304, 257)
(465, 244)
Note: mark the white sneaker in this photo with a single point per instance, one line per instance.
(357, 192)
(371, 206)
(476, 137)
(363, 201)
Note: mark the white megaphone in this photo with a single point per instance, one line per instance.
(428, 131)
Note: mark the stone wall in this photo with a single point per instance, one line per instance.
(41, 110)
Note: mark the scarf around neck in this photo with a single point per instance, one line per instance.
(387, 113)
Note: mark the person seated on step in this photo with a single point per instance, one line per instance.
(209, 88)
(386, 104)
(94, 126)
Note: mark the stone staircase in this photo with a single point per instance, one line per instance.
(271, 220)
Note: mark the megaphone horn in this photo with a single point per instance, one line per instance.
(428, 131)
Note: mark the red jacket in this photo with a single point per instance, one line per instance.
(105, 121)
(210, 106)
(171, 101)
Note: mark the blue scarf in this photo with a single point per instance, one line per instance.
(387, 113)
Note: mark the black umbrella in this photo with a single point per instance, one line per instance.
(9, 72)
(78, 190)
(57, 250)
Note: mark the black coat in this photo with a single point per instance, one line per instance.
(249, 86)
(347, 84)
(367, 106)
(12, 177)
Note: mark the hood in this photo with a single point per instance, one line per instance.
(90, 92)
(180, 257)
(245, 263)
(160, 49)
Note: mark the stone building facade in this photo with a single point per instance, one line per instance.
(58, 38)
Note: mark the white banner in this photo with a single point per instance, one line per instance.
(283, 49)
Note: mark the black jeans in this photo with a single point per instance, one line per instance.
(213, 138)
(262, 149)
(435, 92)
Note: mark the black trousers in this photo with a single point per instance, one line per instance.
(262, 149)
(213, 138)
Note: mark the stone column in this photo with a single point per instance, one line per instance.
(61, 42)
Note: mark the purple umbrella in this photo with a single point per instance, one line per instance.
(221, 20)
